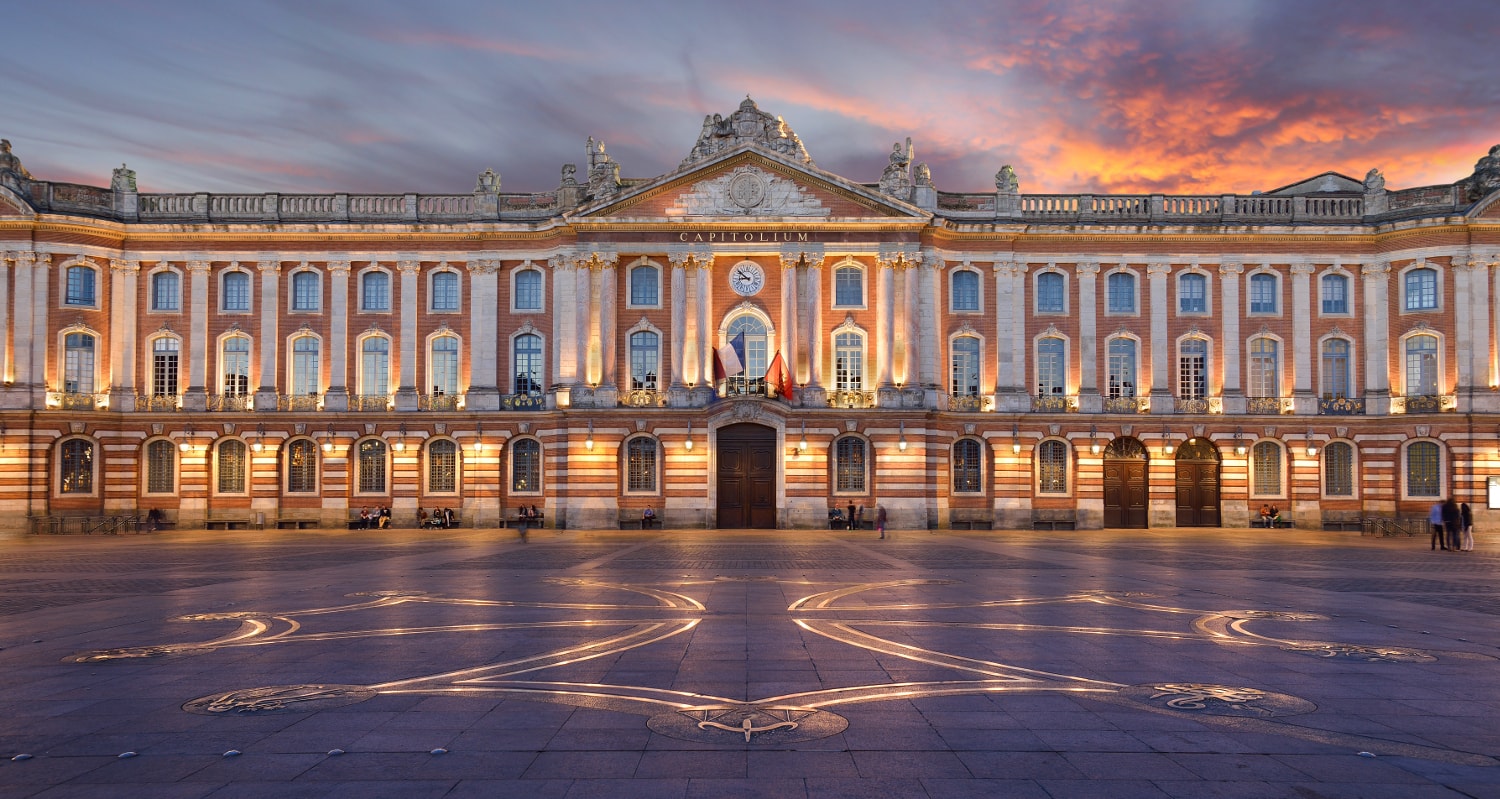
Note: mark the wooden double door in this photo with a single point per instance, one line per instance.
(747, 477)
(1198, 484)
(1125, 483)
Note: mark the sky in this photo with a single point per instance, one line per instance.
(391, 96)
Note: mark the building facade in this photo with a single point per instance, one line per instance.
(994, 359)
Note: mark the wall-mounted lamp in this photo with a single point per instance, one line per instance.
(401, 438)
(1166, 441)
(802, 445)
(901, 444)
(688, 444)
(328, 441)
(187, 439)
(1015, 439)
(1312, 448)
(1239, 443)
(1094, 439)
(479, 437)
(260, 434)
(588, 443)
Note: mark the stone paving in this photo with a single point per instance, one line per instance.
(1178, 663)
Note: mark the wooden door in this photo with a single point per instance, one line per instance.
(1197, 494)
(1125, 493)
(747, 477)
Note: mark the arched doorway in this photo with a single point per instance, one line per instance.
(1198, 484)
(747, 476)
(1125, 465)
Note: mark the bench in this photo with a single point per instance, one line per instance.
(229, 521)
(1054, 519)
(1342, 521)
(845, 522)
(295, 523)
(632, 520)
(1282, 521)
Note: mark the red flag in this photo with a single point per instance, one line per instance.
(778, 378)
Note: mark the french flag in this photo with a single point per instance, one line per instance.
(729, 360)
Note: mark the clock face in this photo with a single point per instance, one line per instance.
(747, 278)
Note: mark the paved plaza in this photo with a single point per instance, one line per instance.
(1183, 663)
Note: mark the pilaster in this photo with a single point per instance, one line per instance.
(122, 334)
(1304, 401)
(929, 298)
(406, 392)
(790, 259)
(337, 396)
(18, 380)
(41, 285)
(265, 393)
(1089, 400)
(483, 392)
(195, 397)
(813, 394)
(5, 337)
(608, 394)
(1230, 344)
(1161, 380)
(677, 395)
(1377, 278)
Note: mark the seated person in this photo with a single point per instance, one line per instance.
(835, 518)
(421, 517)
(1275, 517)
(648, 518)
(1266, 514)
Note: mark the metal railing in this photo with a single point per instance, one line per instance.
(1425, 403)
(1266, 405)
(1054, 403)
(155, 403)
(523, 402)
(1341, 406)
(1125, 404)
(76, 400)
(369, 402)
(1199, 405)
(851, 399)
(438, 402)
(644, 398)
(299, 402)
(231, 402)
(968, 403)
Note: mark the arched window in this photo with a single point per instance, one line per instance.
(640, 465)
(166, 291)
(161, 467)
(236, 292)
(529, 290)
(442, 467)
(1336, 372)
(965, 291)
(1121, 367)
(306, 291)
(1192, 369)
(849, 465)
(848, 287)
(645, 360)
(1121, 289)
(1051, 367)
(375, 367)
(231, 466)
(526, 466)
(375, 291)
(752, 381)
(528, 361)
(1051, 293)
(1265, 367)
(645, 285)
(1424, 476)
(75, 467)
(234, 360)
(1263, 293)
(849, 361)
(1266, 470)
(1421, 289)
(78, 363)
(302, 467)
(1335, 294)
(964, 368)
(164, 366)
(81, 286)
(1422, 366)
(1338, 469)
(1052, 467)
(444, 360)
(1192, 293)
(371, 466)
(445, 295)
(305, 365)
(966, 467)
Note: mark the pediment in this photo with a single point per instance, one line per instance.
(749, 183)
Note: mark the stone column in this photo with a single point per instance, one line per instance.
(583, 298)
(5, 337)
(1230, 343)
(1377, 277)
(122, 338)
(1005, 355)
(195, 398)
(565, 369)
(929, 359)
(1484, 346)
(788, 337)
(41, 285)
(885, 329)
(337, 396)
(270, 305)
(706, 330)
(1463, 331)
(813, 394)
(483, 392)
(608, 395)
(406, 392)
(677, 395)
(907, 338)
(1161, 372)
(1304, 399)
(1089, 400)
(21, 334)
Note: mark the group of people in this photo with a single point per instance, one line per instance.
(526, 518)
(439, 518)
(838, 520)
(1452, 526)
(378, 519)
(1270, 516)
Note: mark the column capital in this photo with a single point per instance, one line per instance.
(409, 267)
(1302, 268)
(1161, 268)
(199, 266)
(933, 260)
(1377, 270)
(267, 265)
(1231, 268)
(702, 259)
(596, 260)
(1008, 268)
(678, 259)
(342, 267)
(790, 260)
(1087, 268)
(42, 260)
(119, 265)
(558, 262)
(486, 266)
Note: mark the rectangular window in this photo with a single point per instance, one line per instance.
(848, 287)
(161, 467)
(1192, 294)
(236, 291)
(1338, 470)
(1267, 473)
(1121, 293)
(849, 459)
(442, 467)
(640, 466)
(1262, 294)
(1335, 295)
(1052, 468)
(164, 369)
(445, 291)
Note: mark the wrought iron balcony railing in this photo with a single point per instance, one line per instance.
(231, 402)
(969, 403)
(644, 398)
(76, 400)
(438, 402)
(1126, 404)
(1054, 403)
(1341, 406)
(299, 402)
(851, 399)
(1424, 403)
(369, 402)
(1268, 405)
(1199, 405)
(155, 403)
(523, 402)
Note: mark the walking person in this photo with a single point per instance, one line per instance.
(1466, 516)
(880, 519)
(1452, 522)
(523, 521)
(1435, 518)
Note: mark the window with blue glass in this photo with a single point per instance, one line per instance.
(1121, 287)
(1051, 294)
(965, 291)
(1421, 289)
(1192, 294)
(1335, 294)
(1263, 293)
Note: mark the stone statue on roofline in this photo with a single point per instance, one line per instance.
(1486, 177)
(1006, 182)
(122, 179)
(896, 180)
(488, 182)
(10, 163)
(604, 173)
(1374, 181)
(747, 125)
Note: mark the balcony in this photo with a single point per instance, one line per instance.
(438, 402)
(231, 402)
(1268, 405)
(1126, 404)
(523, 402)
(76, 401)
(644, 398)
(1424, 403)
(1341, 406)
(299, 402)
(1054, 403)
(969, 403)
(851, 399)
(1199, 405)
(753, 387)
(369, 402)
(156, 403)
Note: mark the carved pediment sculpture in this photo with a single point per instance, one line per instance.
(1486, 177)
(747, 191)
(747, 125)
